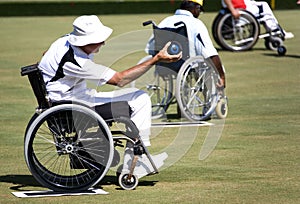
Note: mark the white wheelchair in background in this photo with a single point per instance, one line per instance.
(243, 33)
(190, 83)
(70, 147)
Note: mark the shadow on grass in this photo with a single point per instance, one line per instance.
(22, 181)
(172, 116)
(273, 54)
(113, 180)
(276, 55)
(253, 49)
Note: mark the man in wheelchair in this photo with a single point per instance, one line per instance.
(261, 10)
(199, 42)
(68, 64)
(200, 78)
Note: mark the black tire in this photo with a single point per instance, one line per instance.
(29, 123)
(281, 50)
(215, 25)
(126, 183)
(68, 148)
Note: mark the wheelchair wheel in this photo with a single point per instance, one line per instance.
(236, 34)
(128, 183)
(222, 108)
(35, 115)
(161, 95)
(273, 43)
(215, 23)
(159, 88)
(281, 50)
(196, 91)
(68, 148)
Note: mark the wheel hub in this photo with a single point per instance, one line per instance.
(69, 149)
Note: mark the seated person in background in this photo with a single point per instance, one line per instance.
(260, 9)
(198, 36)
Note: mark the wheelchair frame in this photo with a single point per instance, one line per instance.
(243, 33)
(70, 147)
(194, 92)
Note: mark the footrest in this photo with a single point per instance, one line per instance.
(144, 167)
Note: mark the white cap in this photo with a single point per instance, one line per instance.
(88, 30)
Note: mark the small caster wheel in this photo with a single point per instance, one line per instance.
(222, 108)
(128, 183)
(273, 43)
(281, 50)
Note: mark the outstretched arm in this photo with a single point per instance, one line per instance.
(125, 77)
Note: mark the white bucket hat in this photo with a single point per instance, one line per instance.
(88, 30)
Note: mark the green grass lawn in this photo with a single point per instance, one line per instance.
(257, 159)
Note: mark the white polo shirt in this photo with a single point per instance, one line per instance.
(201, 45)
(76, 67)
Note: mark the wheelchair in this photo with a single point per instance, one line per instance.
(243, 33)
(70, 147)
(190, 83)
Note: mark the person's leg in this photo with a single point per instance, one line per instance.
(140, 104)
(269, 18)
(141, 115)
(262, 11)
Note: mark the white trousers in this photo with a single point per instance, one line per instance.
(267, 13)
(138, 100)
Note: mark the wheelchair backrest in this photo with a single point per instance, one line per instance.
(37, 84)
(179, 42)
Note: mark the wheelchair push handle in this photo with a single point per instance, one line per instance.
(179, 23)
(146, 23)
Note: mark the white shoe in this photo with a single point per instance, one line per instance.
(143, 165)
(288, 35)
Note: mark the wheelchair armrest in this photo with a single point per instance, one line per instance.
(29, 69)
